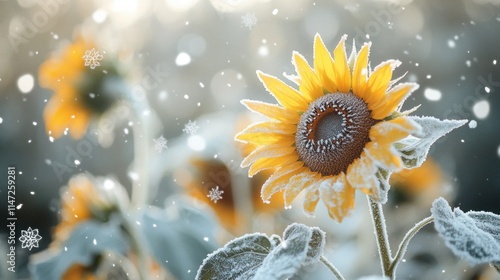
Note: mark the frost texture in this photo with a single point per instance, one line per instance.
(81, 249)
(414, 149)
(474, 236)
(256, 256)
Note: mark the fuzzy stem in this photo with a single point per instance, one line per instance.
(382, 239)
(332, 268)
(404, 243)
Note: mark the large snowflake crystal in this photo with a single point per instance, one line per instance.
(249, 20)
(160, 144)
(191, 128)
(92, 58)
(215, 194)
(29, 238)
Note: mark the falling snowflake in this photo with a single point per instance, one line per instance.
(160, 144)
(215, 194)
(249, 20)
(92, 58)
(191, 128)
(30, 238)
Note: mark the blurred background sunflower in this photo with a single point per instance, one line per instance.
(193, 59)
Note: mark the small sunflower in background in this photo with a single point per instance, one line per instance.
(411, 184)
(87, 198)
(84, 83)
(333, 135)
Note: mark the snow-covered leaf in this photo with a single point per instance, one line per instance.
(474, 236)
(414, 148)
(238, 259)
(177, 242)
(256, 256)
(87, 240)
(300, 246)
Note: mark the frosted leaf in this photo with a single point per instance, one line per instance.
(414, 148)
(79, 248)
(238, 259)
(256, 256)
(301, 245)
(473, 236)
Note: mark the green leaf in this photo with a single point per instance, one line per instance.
(414, 149)
(80, 248)
(256, 256)
(474, 236)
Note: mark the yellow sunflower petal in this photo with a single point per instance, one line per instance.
(392, 100)
(279, 179)
(360, 73)
(385, 155)
(287, 96)
(265, 138)
(266, 163)
(361, 174)
(311, 199)
(342, 73)
(297, 184)
(265, 133)
(271, 111)
(310, 85)
(338, 196)
(323, 65)
(267, 151)
(379, 80)
(393, 130)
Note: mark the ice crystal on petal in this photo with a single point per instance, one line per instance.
(92, 58)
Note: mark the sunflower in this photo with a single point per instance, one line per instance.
(333, 135)
(79, 91)
(80, 201)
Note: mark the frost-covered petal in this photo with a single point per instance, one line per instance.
(287, 96)
(360, 73)
(342, 72)
(323, 65)
(267, 163)
(271, 111)
(297, 184)
(392, 101)
(310, 85)
(361, 174)
(338, 196)
(384, 155)
(393, 130)
(311, 199)
(378, 82)
(279, 179)
(267, 151)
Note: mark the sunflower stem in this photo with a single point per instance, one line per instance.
(382, 239)
(142, 143)
(332, 268)
(406, 240)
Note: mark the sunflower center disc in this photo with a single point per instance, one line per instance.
(332, 133)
